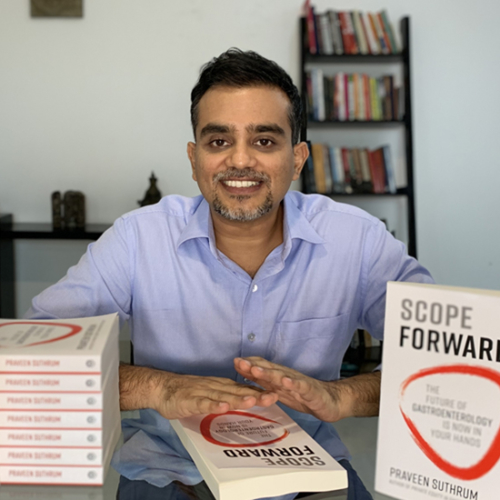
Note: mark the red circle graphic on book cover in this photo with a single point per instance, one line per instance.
(73, 329)
(205, 429)
(492, 455)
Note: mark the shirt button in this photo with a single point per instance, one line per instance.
(251, 337)
(246, 381)
(255, 288)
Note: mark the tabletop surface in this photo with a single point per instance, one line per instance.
(120, 488)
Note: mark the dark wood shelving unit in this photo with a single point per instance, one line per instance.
(10, 231)
(402, 58)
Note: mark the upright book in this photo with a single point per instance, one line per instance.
(257, 453)
(439, 425)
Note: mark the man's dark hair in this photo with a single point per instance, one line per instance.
(235, 68)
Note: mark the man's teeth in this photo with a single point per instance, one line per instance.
(241, 184)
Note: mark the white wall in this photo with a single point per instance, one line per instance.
(95, 104)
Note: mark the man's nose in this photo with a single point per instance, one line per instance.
(242, 155)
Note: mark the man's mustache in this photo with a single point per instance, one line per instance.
(242, 173)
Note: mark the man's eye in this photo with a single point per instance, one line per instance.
(219, 143)
(265, 142)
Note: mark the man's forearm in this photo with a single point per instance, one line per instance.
(357, 396)
(140, 387)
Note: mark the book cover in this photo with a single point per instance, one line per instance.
(59, 345)
(439, 425)
(256, 453)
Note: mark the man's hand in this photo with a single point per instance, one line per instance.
(327, 401)
(177, 396)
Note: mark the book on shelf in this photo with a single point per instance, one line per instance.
(351, 97)
(260, 452)
(349, 32)
(439, 423)
(59, 400)
(335, 170)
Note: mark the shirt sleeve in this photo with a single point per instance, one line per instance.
(101, 282)
(386, 259)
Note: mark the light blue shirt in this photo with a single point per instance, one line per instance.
(193, 310)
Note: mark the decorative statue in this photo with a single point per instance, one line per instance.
(70, 212)
(153, 194)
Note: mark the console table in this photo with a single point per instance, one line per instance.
(10, 231)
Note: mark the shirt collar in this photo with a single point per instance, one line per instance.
(296, 226)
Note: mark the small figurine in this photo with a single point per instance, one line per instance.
(56, 210)
(68, 213)
(153, 194)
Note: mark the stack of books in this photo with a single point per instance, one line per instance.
(350, 33)
(59, 400)
(331, 170)
(352, 97)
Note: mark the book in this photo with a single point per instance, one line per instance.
(371, 37)
(59, 400)
(257, 453)
(439, 424)
(81, 345)
(319, 168)
(348, 36)
(336, 32)
(360, 33)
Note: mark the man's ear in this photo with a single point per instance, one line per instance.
(191, 151)
(300, 155)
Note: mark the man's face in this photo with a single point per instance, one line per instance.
(243, 159)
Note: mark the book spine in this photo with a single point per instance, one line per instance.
(33, 382)
(340, 97)
(365, 169)
(49, 401)
(311, 34)
(51, 437)
(75, 476)
(339, 167)
(389, 169)
(50, 456)
(366, 97)
(319, 34)
(355, 91)
(39, 363)
(336, 32)
(348, 38)
(319, 169)
(51, 419)
(370, 35)
(351, 98)
(380, 34)
(360, 34)
(326, 35)
(328, 170)
(384, 17)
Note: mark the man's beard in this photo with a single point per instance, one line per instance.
(240, 214)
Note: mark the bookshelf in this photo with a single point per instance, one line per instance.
(404, 195)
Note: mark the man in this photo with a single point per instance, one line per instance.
(247, 284)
